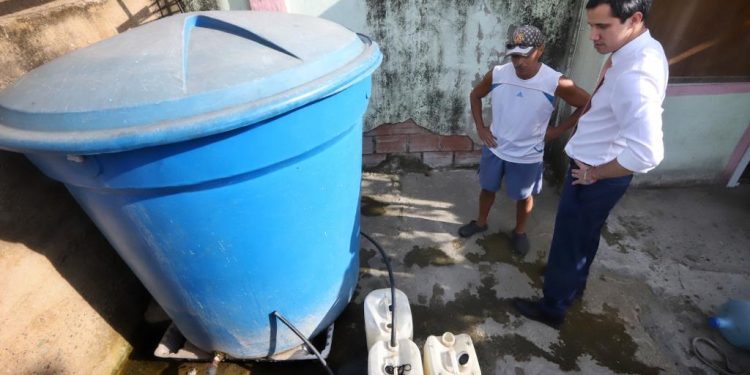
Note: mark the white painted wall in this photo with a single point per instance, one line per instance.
(350, 13)
(233, 4)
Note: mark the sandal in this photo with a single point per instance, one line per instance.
(470, 229)
(520, 243)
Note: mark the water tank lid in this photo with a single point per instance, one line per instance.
(181, 77)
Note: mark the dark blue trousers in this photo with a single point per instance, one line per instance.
(581, 214)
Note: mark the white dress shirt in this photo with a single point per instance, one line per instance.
(624, 121)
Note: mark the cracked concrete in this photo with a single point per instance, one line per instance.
(669, 258)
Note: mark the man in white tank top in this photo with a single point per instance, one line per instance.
(523, 99)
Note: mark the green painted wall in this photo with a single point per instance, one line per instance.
(700, 134)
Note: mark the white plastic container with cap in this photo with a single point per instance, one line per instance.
(450, 354)
(378, 317)
(404, 358)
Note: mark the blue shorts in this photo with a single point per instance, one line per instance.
(521, 180)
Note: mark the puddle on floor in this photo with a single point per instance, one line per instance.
(497, 248)
(603, 337)
(400, 164)
(460, 315)
(369, 206)
(635, 227)
(365, 255)
(514, 345)
(614, 239)
(425, 256)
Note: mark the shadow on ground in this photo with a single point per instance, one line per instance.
(39, 213)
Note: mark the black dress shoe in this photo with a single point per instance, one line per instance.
(533, 310)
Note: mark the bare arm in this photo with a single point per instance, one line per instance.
(573, 95)
(475, 99)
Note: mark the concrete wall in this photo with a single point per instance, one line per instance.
(435, 51)
(702, 123)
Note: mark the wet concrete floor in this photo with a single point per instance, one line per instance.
(668, 259)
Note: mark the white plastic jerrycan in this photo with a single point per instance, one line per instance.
(403, 359)
(450, 354)
(378, 316)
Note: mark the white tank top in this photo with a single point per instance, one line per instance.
(521, 110)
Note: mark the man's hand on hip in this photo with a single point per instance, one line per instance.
(486, 136)
(583, 175)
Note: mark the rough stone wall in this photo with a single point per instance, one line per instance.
(199, 5)
(435, 51)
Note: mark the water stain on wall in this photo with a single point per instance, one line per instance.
(434, 50)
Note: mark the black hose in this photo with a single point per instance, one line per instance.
(713, 364)
(305, 340)
(393, 287)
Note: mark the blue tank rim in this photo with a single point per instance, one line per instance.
(201, 125)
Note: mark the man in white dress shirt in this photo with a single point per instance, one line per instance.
(619, 135)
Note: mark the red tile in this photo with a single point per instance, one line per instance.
(467, 158)
(372, 160)
(368, 145)
(456, 143)
(386, 144)
(438, 159)
(424, 142)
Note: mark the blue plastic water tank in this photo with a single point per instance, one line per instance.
(220, 154)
